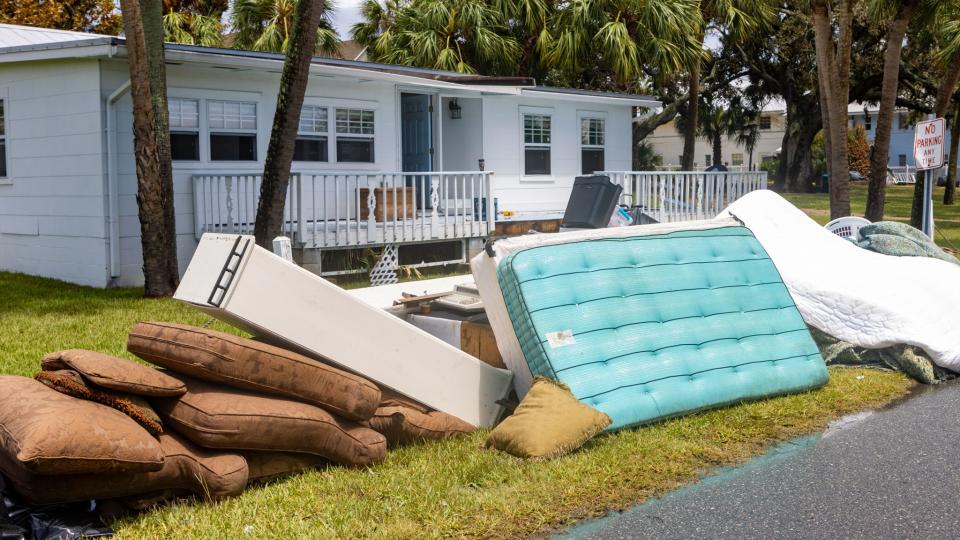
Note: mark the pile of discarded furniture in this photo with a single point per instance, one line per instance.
(599, 329)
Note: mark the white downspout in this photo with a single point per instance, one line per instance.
(113, 185)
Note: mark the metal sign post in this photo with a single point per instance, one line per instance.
(928, 154)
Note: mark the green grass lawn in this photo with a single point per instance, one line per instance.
(448, 488)
(897, 208)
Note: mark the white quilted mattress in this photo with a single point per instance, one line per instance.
(859, 296)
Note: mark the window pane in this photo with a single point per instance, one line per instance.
(232, 115)
(184, 113)
(591, 131)
(536, 129)
(3, 157)
(591, 160)
(310, 149)
(3, 129)
(737, 159)
(233, 147)
(536, 160)
(185, 146)
(356, 150)
(313, 119)
(355, 121)
(764, 122)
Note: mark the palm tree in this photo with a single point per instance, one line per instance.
(267, 25)
(194, 22)
(833, 70)
(736, 19)
(715, 124)
(880, 155)
(293, 85)
(193, 29)
(466, 36)
(143, 26)
(603, 43)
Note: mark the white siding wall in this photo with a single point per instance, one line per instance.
(52, 204)
(209, 83)
(463, 138)
(532, 196)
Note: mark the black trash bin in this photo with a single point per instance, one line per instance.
(591, 202)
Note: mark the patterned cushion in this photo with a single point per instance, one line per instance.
(648, 327)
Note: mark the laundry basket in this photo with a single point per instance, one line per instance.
(847, 227)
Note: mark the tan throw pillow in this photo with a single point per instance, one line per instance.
(47, 432)
(114, 373)
(71, 383)
(549, 422)
(187, 469)
(405, 421)
(247, 364)
(220, 417)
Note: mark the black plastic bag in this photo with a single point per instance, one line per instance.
(51, 522)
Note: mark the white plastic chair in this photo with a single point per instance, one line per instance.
(847, 227)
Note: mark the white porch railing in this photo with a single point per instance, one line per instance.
(335, 210)
(684, 196)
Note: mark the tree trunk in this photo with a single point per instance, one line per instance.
(718, 148)
(948, 83)
(880, 155)
(693, 111)
(833, 71)
(950, 193)
(286, 120)
(143, 27)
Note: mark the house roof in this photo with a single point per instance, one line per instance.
(40, 43)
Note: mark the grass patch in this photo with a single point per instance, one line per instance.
(448, 488)
(897, 208)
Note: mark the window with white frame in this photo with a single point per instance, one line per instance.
(3, 138)
(708, 159)
(355, 135)
(592, 141)
(311, 143)
(233, 130)
(902, 160)
(184, 129)
(867, 122)
(536, 144)
(764, 122)
(736, 159)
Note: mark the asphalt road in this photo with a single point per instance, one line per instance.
(890, 474)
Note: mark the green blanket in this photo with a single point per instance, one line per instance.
(901, 240)
(905, 358)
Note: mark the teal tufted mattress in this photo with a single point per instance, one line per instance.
(649, 327)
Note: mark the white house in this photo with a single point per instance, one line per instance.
(476, 144)
(668, 142)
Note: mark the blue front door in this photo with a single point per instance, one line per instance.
(416, 142)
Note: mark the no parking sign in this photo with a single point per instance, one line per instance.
(928, 144)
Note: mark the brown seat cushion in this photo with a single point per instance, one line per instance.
(50, 433)
(114, 373)
(251, 365)
(404, 421)
(71, 383)
(265, 466)
(187, 468)
(220, 417)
